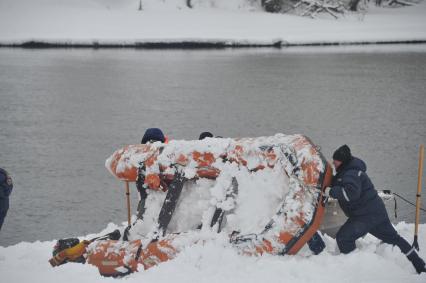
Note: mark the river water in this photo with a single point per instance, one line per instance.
(64, 111)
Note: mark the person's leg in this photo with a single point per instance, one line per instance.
(2, 217)
(387, 233)
(349, 232)
(4, 207)
(316, 244)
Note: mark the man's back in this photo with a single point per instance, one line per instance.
(359, 195)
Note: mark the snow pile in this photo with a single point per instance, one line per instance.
(236, 21)
(213, 261)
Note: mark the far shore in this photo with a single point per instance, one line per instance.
(34, 44)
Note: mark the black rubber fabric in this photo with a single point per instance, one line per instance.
(170, 202)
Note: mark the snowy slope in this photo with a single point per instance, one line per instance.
(215, 262)
(108, 21)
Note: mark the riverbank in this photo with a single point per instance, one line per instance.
(192, 44)
(77, 25)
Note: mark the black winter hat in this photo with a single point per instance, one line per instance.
(153, 134)
(343, 154)
(204, 135)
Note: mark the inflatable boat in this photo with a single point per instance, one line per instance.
(265, 194)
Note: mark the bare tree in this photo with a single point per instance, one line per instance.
(353, 5)
(309, 8)
(272, 6)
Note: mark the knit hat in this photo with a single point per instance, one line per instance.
(153, 134)
(343, 154)
(204, 135)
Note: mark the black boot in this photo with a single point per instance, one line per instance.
(316, 244)
(417, 262)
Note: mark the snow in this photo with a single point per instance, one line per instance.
(233, 21)
(214, 261)
(206, 256)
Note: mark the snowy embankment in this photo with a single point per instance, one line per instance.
(230, 23)
(214, 262)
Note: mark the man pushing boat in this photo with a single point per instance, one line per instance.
(365, 210)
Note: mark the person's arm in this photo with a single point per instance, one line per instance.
(2, 188)
(350, 190)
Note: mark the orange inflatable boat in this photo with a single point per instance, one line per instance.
(166, 168)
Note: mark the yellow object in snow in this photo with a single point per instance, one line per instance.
(70, 254)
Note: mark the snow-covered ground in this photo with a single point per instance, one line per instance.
(215, 262)
(210, 257)
(108, 21)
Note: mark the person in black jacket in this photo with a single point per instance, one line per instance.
(6, 186)
(365, 210)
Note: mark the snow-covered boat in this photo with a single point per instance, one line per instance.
(189, 187)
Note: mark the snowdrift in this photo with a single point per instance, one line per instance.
(216, 261)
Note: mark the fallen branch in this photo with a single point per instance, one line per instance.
(312, 7)
(399, 2)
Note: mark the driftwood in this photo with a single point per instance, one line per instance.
(311, 8)
(399, 2)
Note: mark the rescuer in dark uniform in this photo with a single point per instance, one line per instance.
(365, 210)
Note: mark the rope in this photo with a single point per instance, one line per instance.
(409, 202)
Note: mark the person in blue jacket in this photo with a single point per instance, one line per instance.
(365, 210)
(6, 186)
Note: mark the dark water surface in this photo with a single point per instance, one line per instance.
(63, 112)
